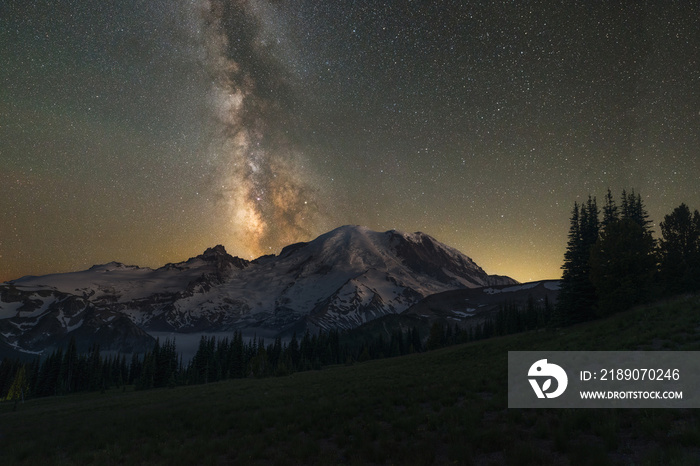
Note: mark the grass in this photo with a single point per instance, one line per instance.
(443, 407)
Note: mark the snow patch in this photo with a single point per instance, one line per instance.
(8, 310)
(70, 328)
(554, 285)
(511, 289)
(46, 302)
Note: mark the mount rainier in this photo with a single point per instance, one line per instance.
(342, 279)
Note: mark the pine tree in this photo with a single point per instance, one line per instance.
(436, 338)
(19, 388)
(145, 380)
(416, 340)
(8, 370)
(259, 363)
(590, 226)
(364, 354)
(95, 374)
(275, 353)
(679, 250)
(547, 313)
(622, 261)
(48, 380)
(165, 362)
(69, 367)
(134, 369)
(294, 353)
(236, 349)
(633, 209)
(610, 211)
(34, 375)
(577, 294)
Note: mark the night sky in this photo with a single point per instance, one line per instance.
(146, 131)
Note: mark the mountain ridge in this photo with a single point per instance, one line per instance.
(342, 279)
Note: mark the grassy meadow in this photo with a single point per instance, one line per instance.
(447, 406)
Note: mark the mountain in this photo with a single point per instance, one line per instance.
(35, 318)
(341, 279)
(474, 305)
(466, 307)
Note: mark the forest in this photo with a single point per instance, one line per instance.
(614, 262)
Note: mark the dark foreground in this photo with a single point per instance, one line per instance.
(443, 407)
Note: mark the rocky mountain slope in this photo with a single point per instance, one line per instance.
(341, 279)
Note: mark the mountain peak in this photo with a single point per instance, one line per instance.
(222, 259)
(341, 279)
(110, 266)
(218, 250)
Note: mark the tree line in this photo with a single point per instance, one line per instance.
(511, 317)
(65, 371)
(612, 262)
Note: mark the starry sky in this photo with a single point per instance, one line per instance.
(146, 131)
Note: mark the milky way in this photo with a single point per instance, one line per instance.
(263, 185)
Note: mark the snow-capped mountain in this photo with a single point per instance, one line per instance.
(341, 279)
(35, 318)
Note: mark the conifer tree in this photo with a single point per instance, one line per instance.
(416, 342)
(164, 362)
(69, 367)
(134, 369)
(145, 380)
(8, 370)
(577, 293)
(294, 353)
(20, 386)
(679, 250)
(610, 211)
(95, 376)
(622, 261)
(633, 209)
(364, 354)
(436, 338)
(34, 375)
(236, 349)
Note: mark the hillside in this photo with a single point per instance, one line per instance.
(446, 406)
